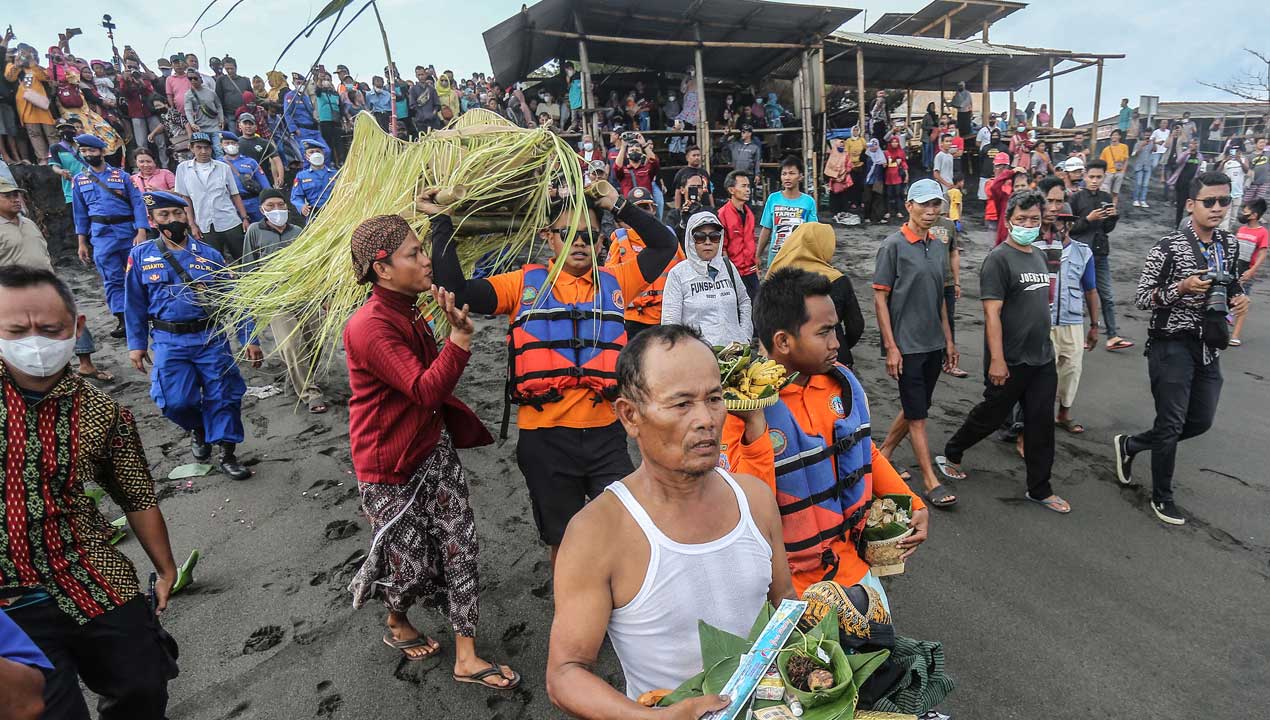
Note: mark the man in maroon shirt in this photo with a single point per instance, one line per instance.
(404, 426)
(636, 163)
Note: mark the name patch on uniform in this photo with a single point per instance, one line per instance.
(778, 441)
(835, 404)
(152, 266)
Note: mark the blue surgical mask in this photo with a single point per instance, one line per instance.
(1024, 235)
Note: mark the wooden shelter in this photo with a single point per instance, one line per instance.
(947, 19)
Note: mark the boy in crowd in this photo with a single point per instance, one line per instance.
(1253, 240)
(784, 211)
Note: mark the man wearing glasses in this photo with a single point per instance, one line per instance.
(563, 343)
(1185, 283)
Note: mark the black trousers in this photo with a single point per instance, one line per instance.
(1186, 392)
(950, 302)
(117, 655)
(1034, 387)
(382, 119)
(228, 242)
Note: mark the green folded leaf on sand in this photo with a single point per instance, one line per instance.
(191, 470)
(95, 494)
(120, 524)
(185, 573)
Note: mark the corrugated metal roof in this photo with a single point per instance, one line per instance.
(932, 45)
(966, 20)
(922, 63)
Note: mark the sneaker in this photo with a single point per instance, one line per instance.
(1168, 512)
(1124, 461)
(1144, 204)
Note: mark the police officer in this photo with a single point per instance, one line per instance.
(195, 381)
(247, 173)
(299, 115)
(312, 186)
(109, 219)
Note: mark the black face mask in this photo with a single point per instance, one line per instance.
(636, 158)
(95, 160)
(176, 229)
(1244, 218)
(68, 135)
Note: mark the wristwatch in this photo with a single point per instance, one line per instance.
(619, 206)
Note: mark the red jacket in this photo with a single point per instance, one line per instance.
(403, 390)
(738, 238)
(999, 190)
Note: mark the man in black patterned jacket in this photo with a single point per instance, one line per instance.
(1177, 285)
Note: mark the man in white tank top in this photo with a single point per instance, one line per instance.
(675, 542)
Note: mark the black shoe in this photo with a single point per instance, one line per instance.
(1124, 461)
(120, 331)
(1168, 512)
(200, 448)
(229, 464)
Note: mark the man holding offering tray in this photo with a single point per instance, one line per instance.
(677, 541)
(813, 446)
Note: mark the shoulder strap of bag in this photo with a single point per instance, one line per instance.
(735, 286)
(177, 267)
(93, 176)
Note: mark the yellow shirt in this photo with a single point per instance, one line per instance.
(954, 204)
(855, 148)
(1116, 157)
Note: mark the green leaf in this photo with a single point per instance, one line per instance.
(864, 664)
(764, 616)
(689, 689)
(717, 676)
(181, 472)
(717, 644)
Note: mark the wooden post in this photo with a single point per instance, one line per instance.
(588, 123)
(859, 82)
(986, 25)
(1093, 127)
(1051, 123)
(908, 119)
(948, 26)
(987, 95)
(1011, 122)
(809, 151)
(703, 126)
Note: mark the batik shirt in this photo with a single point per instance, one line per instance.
(52, 537)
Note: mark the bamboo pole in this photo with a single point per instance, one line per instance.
(859, 81)
(1051, 122)
(588, 123)
(809, 157)
(392, 71)
(1011, 123)
(987, 95)
(1093, 127)
(703, 126)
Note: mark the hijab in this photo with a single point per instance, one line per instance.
(810, 247)
(874, 151)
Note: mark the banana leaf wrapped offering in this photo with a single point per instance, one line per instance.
(750, 382)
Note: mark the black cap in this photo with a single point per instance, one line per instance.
(747, 128)
(638, 195)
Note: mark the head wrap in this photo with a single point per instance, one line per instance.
(810, 247)
(376, 239)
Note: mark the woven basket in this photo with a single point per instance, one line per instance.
(875, 715)
(883, 556)
(747, 405)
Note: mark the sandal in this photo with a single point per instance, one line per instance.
(948, 468)
(1053, 502)
(1118, 343)
(433, 647)
(479, 678)
(100, 376)
(1070, 426)
(1236, 342)
(940, 497)
(957, 372)
(317, 408)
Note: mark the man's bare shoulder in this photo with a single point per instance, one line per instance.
(762, 501)
(593, 528)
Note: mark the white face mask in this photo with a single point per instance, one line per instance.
(588, 146)
(231, 149)
(277, 217)
(317, 159)
(37, 355)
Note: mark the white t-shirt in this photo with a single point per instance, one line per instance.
(984, 136)
(1235, 171)
(1160, 139)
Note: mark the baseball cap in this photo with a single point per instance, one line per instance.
(1073, 164)
(164, 63)
(1001, 159)
(747, 128)
(199, 137)
(247, 117)
(1065, 212)
(6, 186)
(639, 195)
(924, 191)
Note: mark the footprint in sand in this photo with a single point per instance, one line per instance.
(341, 529)
(329, 705)
(263, 639)
(515, 637)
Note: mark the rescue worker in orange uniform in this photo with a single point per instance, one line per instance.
(563, 344)
(643, 310)
(813, 447)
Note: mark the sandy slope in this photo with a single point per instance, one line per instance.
(1104, 613)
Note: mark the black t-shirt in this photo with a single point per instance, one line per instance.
(258, 149)
(1021, 281)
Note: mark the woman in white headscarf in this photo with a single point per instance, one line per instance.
(704, 291)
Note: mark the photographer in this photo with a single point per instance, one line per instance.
(136, 85)
(1189, 284)
(636, 162)
(692, 195)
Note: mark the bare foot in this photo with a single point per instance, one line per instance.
(474, 665)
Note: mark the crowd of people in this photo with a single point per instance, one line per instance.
(725, 510)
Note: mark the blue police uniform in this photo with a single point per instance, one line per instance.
(110, 216)
(313, 186)
(194, 380)
(245, 167)
(297, 111)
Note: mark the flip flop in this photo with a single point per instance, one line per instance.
(939, 497)
(100, 375)
(185, 573)
(1070, 426)
(479, 678)
(1119, 344)
(1052, 503)
(418, 642)
(957, 372)
(948, 468)
(318, 408)
(1236, 342)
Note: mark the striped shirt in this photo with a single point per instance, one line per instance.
(52, 537)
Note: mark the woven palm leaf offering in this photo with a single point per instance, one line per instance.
(750, 382)
(501, 183)
(886, 525)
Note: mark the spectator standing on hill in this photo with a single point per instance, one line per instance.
(1096, 218)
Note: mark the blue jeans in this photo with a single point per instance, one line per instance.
(928, 153)
(1141, 181)
(1102, 276)
(644, 122)
(84, 344)
(660, 199)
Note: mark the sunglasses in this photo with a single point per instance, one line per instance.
(1209, 202)
(586, 236)
(707, 237)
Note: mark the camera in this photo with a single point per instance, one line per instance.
(1216, 299)
(106, 23)
(629, 137)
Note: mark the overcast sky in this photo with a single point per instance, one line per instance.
(1170, 44)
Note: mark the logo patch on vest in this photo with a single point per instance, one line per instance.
(617, 297)
(778, 441)
(835, 404)
(529, 295)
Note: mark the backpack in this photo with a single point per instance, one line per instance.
(69, 96)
